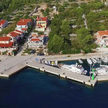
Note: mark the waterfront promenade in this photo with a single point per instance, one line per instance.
(13, 64)
(74, 56)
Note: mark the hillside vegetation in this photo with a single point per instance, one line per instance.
(14, 4)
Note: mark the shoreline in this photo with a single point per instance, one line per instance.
(48, 69)
(17, 63)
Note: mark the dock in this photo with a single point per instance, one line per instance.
(30, 62)
(15, 64)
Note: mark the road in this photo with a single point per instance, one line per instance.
(85, 21)
(12, 61)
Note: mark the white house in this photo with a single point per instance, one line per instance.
(7, 45)
(15, 36)
(41, 23)
(102, 37)
(35, 41)
(23, 25)
(20, 33)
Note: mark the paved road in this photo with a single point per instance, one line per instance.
(12, 61)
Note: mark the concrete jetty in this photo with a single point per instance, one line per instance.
(30, 62)
(14, 64)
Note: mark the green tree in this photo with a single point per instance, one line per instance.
(55, 44)
(65, 28)
(85, 39)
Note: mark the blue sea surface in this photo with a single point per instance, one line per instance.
(31, 88)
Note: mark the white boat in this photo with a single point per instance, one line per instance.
(105, 59)
(102, 70)
(74, 68)
(94, 60)
(80, 61)
(89, 61)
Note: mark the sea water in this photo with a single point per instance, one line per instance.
(31, 88)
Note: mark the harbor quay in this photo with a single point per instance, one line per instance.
(49, 69)
(70, 57)
(12, 65)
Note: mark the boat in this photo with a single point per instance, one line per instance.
(80, 61)
(74, 68)
(102, 70)
(89, 61)
(94, 60)
(105, 59)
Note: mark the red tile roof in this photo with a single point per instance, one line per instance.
(14, 34)
(35, 39)
(25, 29)
(18, 31)
(2, 22)
(41, 18)
(6, 45)
(5, 38)
(102, 33)
(34, 35)
(24, 21)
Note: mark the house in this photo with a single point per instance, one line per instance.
(21, 33)
(35, 41)
(41, 23)
(23, 25)
(15, 36)
(102, 37)
(3, 24)
(5, 40)
(7, 45)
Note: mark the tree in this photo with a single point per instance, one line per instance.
(65, 28)
(55, 44)
(85, 39)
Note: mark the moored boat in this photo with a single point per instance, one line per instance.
(74, 68)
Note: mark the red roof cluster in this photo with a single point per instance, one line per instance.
(20, 32)
(10, 44)
(5, 38)
(14, 34)
(103, 33)
(42, 18)
(24, 29)
(35, 39)
(2, 22)
(24, 21)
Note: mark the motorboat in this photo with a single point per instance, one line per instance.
(89, 61)
(102, 70)
(74, 68)
(80, 61)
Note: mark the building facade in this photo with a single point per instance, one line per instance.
(102, 37)
(41, 23)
